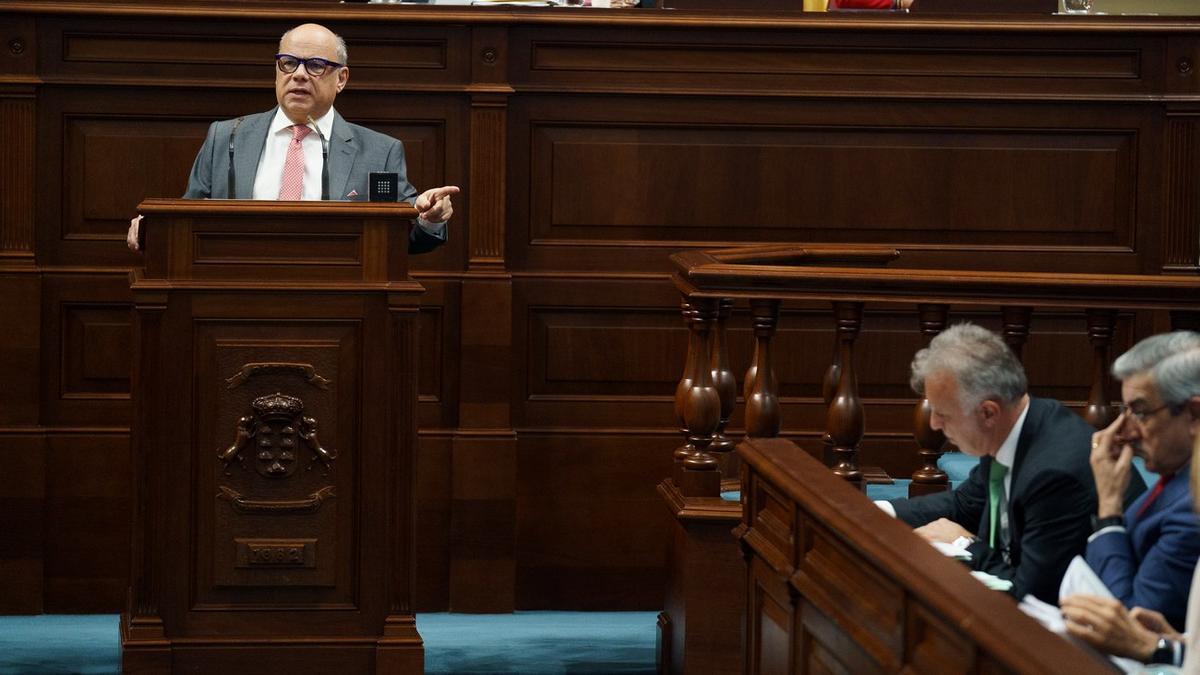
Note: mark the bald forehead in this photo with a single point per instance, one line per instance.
(309, 40)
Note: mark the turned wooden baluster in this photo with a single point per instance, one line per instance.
(698, 473)
(844, 422)
(761, 393)
(1016, 328)
(928, 478)
(1101, 323)
(726, 384)
(828, 390)
(682, 389)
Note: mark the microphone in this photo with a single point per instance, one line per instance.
(232, 186)
(324, 160)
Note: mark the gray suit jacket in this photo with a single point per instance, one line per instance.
(354, 152)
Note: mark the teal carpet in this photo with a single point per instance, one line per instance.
(524, 642)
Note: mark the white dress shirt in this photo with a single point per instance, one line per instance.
(270, 166)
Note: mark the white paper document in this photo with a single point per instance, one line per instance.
(956, 549)
(1079, 578)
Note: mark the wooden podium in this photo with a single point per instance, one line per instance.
(274, 440)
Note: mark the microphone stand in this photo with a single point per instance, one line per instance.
(324, 160)
(232, 184)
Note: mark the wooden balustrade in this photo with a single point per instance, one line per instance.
(851, 278)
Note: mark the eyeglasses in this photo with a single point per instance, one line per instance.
(314, 66)
(1142, 415)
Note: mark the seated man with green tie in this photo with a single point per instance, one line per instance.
(1026, 507)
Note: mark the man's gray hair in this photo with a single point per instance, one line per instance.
(1177, 377)
(343, 54)
(978, 359)
(1148, 353)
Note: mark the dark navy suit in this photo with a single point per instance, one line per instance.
(1149, 563)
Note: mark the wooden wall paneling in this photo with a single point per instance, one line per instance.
(23, 521)
(20, 348)
(815, 57)
(87, 516)
(599, 352)
(104, 151)
(484, 454)
(1181, 229)
(434, 129)
(591, 530)
(87, 348)
(440, 335)
(942, 174)
(433, 526)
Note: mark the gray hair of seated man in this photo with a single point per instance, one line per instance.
(1177, 378)
(982, 364)
(1150, 352)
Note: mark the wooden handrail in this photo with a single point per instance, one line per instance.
(849, 277)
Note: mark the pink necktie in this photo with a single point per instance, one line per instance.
(292, 186)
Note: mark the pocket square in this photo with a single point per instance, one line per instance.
(353, 193)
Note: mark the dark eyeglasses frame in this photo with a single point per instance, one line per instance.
(1142, 415)
(314, 66)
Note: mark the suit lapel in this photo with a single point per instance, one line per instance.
(251, 139)
(343, 148)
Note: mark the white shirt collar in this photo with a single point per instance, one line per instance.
(281, 122)
(1008, 449)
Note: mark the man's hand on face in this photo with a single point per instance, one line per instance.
(943, 530)
(1112, 462)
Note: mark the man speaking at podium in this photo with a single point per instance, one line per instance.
(303, 149)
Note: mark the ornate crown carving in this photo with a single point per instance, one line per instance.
(277, 406)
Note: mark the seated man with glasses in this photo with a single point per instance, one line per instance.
(276, 155)
(1146, 554)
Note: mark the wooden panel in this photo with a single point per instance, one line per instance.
(933, 645)
(822, 59)
(868, 596)
(438, 369)
(840, 587)
(87, 349)
(306, 454)
(20, 349)
(241, 51)
(111, 164)
(22, 520)
(87, 501)
(790, 182)
(602, 353)
(941, 180)
(434, 476)
(591, 531)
